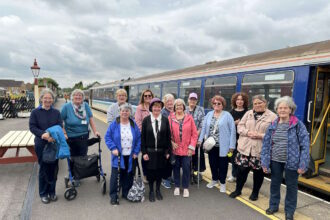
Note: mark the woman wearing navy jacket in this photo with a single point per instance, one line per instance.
(122, 138)
(42, 118)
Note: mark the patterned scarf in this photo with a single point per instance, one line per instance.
(79, 111)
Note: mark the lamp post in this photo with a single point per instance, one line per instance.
(35, 71)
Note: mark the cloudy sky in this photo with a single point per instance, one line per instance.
(107, 40)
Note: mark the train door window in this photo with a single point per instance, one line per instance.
(141, 89)
(188, 86)
(155, 88)
(170, 87)
(272, 85)
(133, 94)
(224, 86)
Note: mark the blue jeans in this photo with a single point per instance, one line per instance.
(291, 180)
(184, 162)
(47, 174)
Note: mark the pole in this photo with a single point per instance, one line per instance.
(36, 93)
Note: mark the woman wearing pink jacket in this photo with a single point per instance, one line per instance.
(184, 139)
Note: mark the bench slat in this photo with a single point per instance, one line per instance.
(26, 139)
(18, 139)
(31, 141)
(5, 138)
(11, 139)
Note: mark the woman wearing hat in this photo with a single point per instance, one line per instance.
(198, 114)
(155, 146)
(184, 139)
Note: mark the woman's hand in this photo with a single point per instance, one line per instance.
(97, 134)
(174, 145)
(115, 152)
(50, 139)
(66, 136)
(199, 144)
(134, 156)
(237, 121)
(190, 152)
(146, 157)
(167, 156)
(45, 136)
(265, 169)
(301, 171)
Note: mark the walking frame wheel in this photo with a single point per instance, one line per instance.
(70, 194)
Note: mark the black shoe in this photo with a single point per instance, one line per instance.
(45, 200)
(288, 217)
(114, 202)
(151, 196)
(53, 198)
(270, 211)
(159, 195)
(234, 194)
(253, 197)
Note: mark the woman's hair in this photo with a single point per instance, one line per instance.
(180, 101)
(77, 91)
(221, 99)
(142, 96)
(46, 91)
(121, 91)
(167, 97)
(287, 100)
(260, 97)
(125, 106)
(245, 100)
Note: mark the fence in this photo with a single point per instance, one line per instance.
(10, 108)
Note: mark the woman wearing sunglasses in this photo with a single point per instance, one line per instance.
(220, 125)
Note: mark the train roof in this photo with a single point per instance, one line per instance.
(290, 56)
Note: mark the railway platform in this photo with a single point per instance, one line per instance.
(20, 199)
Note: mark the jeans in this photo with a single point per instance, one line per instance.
(291, 180)
(184, 162)
(47, 174)
(218, 165)
(126, 180)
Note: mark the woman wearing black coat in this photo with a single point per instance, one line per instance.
(155, 146)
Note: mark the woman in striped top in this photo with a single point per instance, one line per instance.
(285, 149)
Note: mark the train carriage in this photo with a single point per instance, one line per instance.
(302, 72)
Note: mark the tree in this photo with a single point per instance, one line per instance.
(78, 85)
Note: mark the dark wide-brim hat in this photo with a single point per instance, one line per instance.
(153, 101)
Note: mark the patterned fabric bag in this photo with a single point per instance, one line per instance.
(136, 192)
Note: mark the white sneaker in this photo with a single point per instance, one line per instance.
(231, 179)
(177, 191)
(212, 184)
(185, 193)
(223, 188)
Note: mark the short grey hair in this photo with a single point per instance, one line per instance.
(287, 100)
(168, 97)
(46, 91)
(79, 91)
(180, 101)
(125, 106)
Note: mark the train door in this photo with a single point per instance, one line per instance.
(318, 118)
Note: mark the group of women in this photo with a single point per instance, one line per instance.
(169, 135)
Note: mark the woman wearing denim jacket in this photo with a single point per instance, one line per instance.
(285, 149)
(123, 139)
(225, 137)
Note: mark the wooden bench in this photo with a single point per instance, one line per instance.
(17, 140)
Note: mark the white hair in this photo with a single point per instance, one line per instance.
(287, 100)
(46, 91)
(167, 97)
(79, 91)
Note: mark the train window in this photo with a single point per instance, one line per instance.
(133, 95)
(224, 86)
(170, 87)
(141, 89)
(272, 85)
(110, 94)
(189, 86)
(155, 88)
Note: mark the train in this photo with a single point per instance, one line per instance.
(302, 72)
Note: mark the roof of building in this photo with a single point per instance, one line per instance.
(10, 83)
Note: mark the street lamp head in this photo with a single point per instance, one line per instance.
(35, 69)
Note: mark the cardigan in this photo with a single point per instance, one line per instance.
(227, 132)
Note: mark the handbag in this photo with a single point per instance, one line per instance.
(136, 192)
(210, 142)
(49, 152)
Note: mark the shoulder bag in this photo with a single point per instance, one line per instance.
(210, 142)
(49, 152)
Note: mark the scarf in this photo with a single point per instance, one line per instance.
(79, 111)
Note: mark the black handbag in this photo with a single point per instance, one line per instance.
(50, 152)
(85, 166)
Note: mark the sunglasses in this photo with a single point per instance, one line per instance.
(217, 103)
(147, 96)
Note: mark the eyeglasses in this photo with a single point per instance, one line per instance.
(217, 103)
(145, 96)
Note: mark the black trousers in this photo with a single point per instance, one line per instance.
(242, 174)
(218, 165)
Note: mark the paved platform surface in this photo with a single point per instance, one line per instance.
(16, 181)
